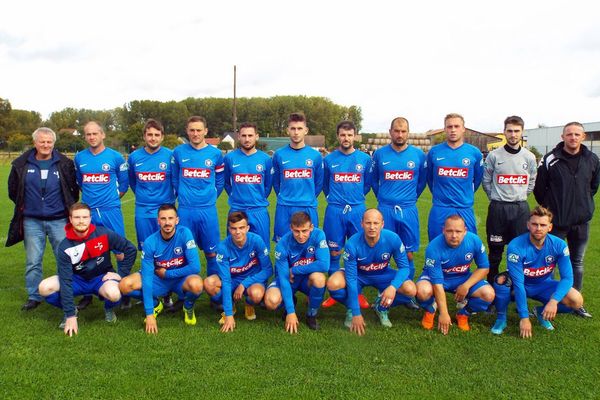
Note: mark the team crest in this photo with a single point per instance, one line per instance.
(549, 260)
(311, 249)
(466, 162)
(402, 248)
(512, 257)
(430, 262)
(425, 164)
(309, 163)
(219, 257)
(266, 252)
(260, 167)
(277, 255)
(190, 244)
(323, 244)
(566, 252)
(525, 165)
(252, 254)
(359, 167)
(162, 165)
(469, 256)
(105, 167)
(123, 167)
(385, 256)
(178, 251)
(208, 162)
(410, 164)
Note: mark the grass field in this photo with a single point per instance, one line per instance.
(260, 360)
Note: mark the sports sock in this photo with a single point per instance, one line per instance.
(339, 295)
(427, 305)
(315, 298)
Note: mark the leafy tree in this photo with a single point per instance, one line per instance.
(171, 141)
(19, 142)
(225, 146)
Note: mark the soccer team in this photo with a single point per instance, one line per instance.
(307, 259)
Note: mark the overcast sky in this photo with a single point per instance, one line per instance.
(485, 60)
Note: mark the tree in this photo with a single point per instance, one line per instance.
(225, 146)
(19, 142)
(171, 141)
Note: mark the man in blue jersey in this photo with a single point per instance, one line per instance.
(297, 177)
(198, 180)
(454, 172)
(532, 259)
(347, 179)
(399, 177)
(84, 267)
(248, 181)
(170, 263)
(301, 261)
(150, 180)
(244, 269)
(367, 257)
(102, 176)
(447, 268)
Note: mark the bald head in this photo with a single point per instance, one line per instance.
(372, 224)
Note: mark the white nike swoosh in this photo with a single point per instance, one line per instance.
(445, 262)
(138, 164)
(386, 162)
(293, 255)
(335, 165)
(185, 159)
(82, 165)
(235, 165)
(285, 162)
(527, 262)
(233, 259)
(440, 158)
(212, 247)
(361, 258)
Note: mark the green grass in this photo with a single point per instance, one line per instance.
(259, 360)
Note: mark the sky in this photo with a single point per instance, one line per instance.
(484, 60)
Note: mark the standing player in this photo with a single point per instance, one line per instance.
(150, 180)
(568, 179)
(347, 179)
(301, 261)
(447, 268)
(508, 178)
(84, 267)
(367, 258)
(244, 269)
(198, 180)
(454, 172)
(297, 177)
(170, 263)
(248, 181)
(399, 177)
(102, 176)
(532, 258)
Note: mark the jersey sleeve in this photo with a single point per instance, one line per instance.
(422, 182)
(351, 271)
(375, 174)
(266, 268)
(430, 171)
(322, 258)
(65, 279)
(268, 177)
(147, 272)
(227, 174)
(488, 171)
(401, 259)
(481, 258)
(326, 177)
(78, 176)
(175, 171)
(219, 174)
(532, 170)
(225, 275)
(283, 278)
(131, 172)
(368, 176)
(191, 256)
(433, 266)
(541, 182)
(122, 245)
(477, 170)
(275, 172)
(122, 170)
(565, 268)
(514, 263)
(318, 167)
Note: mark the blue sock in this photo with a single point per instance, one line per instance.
(217, 298)
(427, 305)
(474, 304)
(315, 298)
(400, 299)
(189, 299)
(334, 263)
(211, 266)
(136, 294)
(54, 299)
(109, 304)
(564, 309)
(339, 295)
(501, 301)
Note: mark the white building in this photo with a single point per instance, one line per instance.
(546, 138)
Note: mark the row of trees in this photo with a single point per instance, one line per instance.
(124, 124)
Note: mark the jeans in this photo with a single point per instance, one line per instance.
(36, 231)
(577, 237)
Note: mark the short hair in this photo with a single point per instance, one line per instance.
(455, 217)
(79, 206)
(541, 211)
(514, 120)
(297, 117)
(196, 118)
(346, 126)
(45, 131)
(300, 218)
(574, 123)
(152, 123)
(400, 119)
(236, 216)
(454, 115)
(98, 124)
(248, 125)
(166, 207)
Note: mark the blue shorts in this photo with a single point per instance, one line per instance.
(300, 283)
(161, 287)
(543, 291)
(380, 281)
(259, 221)
(283, 215)
(111, 218)
(204, 224)
(438, 215)
(82, 287)
(145, 227)
(450, 285)
(340, 223)
(404, 221)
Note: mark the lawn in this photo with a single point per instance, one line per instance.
(260, 360)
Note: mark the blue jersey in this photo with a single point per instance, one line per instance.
(529, 266)
(297, 176)
(197, 175)
(299, 259)
(248, 179)
(453, 175)
(248, 265)
(444, 263)
(399, 177)
(347, 177)
(178, 255)
(150, 180)
(360, 259)
(101, 177)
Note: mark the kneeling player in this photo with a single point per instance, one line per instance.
(84, 267)
(301, 261)
(448, 269)
(244, 269)
(531, 260)
(367, 263)
(170, 263)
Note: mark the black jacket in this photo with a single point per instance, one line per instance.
(568, 194)
(16, 190)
